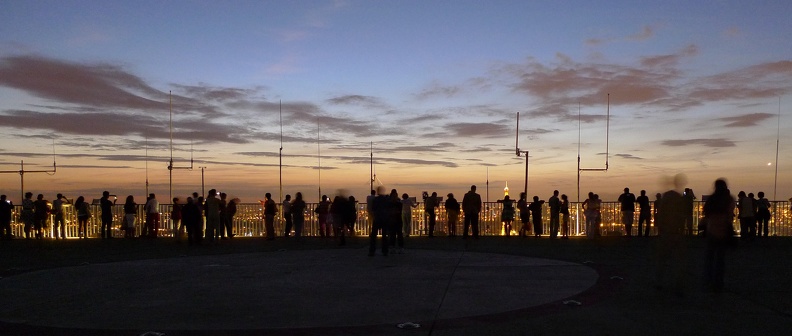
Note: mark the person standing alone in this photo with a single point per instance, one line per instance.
(471, 205)
(107, 215)
(627, 200)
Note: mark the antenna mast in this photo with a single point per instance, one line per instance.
(170, 163)
(607, 154)
(319, 157)
(778, 137)
(22, 172)
(280, 154)
(520, 152)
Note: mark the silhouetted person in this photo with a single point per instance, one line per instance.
(555, 212)
(591, 208)
(199, 202)
(380, 210)
(406, 214)
(719, 214)
(339, 209)
(193, 221)
(223, 225)
(130, 212)
(507, 214)
(27, 214)
(536, 213)
(598, 217)
(59, 224)
(762, 215)
(287, 215)
(525, 215)
(689, 197)
(212, 212)
(298, 214)
(152, 216)
(747, 211)
(627, 200)
(107, 215)
(394, 218)
(270, 209)
(370, 207)
(176, 218)
(564, 211)
(645, 214)
(231, 210)
(83, 214)
(656, 206)
(671, 249)
(471, 205)
(6, 208)
(323, 212)
(431, 204)
(352, 215)
(452, 212)
(40, 215)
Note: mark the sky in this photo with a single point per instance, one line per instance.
(427, 90)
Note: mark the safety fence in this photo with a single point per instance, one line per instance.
(248, 221)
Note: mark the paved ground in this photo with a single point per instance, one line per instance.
(491, 286)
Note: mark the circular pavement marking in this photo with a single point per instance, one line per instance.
(292, 289)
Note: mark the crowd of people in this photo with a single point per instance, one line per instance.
(337, 217)
(390, 216)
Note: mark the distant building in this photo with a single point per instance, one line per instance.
(506, 190)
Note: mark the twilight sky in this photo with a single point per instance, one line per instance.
(695, 87)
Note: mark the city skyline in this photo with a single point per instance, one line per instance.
(431, 90)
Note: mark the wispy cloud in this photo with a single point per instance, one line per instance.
(656, 81)
(435, 89)
(746, 120)
(379, 160)
(357, 100)
(716, 143)
(646, 33)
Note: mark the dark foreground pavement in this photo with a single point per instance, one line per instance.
(490, 286)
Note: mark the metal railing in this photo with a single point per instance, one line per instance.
(249, 222)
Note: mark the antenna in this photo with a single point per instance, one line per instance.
(280, 154)
(778, 137)
(487, 184)
(319, 157)
(22, 172)
(147, 181)
(607, 154)
(171, 167)
(519, 152)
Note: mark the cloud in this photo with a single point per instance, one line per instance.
(763, 80)
(86, 35)
(378, 160)
(670, 59)
(746, 120)
(655, 81)
(99, 85)
(628, 156)
(288, 64)
(486, 130)
(436, 89)
(95, 86)
(732, 32)
(715, 143)
(358, 100)
(219, 94)
(646, 33)
(111, 124)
